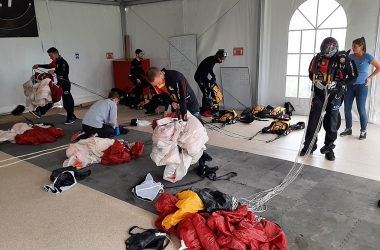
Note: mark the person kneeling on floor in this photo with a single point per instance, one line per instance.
(101, 118)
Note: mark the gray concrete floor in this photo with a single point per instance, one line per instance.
(322, 209)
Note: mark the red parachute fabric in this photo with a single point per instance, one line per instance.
(239, 229)
(137, 149)
(118, 153)
(165, 205)
(39, 135)
(56, 92)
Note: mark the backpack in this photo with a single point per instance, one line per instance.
(148, 239)
(225, 116)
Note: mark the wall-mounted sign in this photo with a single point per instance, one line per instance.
(18, 18)
(109, 55)
(238, 51)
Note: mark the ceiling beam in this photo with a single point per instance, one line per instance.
(138, 2)
(103, 2)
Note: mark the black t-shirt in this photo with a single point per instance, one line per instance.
(136, 71)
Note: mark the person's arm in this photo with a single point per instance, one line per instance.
(113, 115)
(44, 66)
(311, 67)
(351, 72)
(181, 84)
(375, 63)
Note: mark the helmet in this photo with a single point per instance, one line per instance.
(221, 55)
(329, 47)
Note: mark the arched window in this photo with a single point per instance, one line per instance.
(313, 21)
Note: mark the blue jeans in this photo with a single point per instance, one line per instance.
(360, 92)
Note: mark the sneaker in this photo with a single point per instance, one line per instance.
(347, 131)
(78, 136)
(363, 135)
(330, 155)
(304, 150)
(36, 114)
(207, 114)
(70, 121)
(327, 148)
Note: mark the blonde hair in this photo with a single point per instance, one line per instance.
(152, 73)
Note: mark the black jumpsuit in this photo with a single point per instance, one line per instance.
(62, 72)
(181, 93)
(201, 76)
(137, 73)
(342, 71)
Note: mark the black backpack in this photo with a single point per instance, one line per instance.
(148, 239)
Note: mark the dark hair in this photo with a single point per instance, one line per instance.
(113, 94)
(152, 73)
(52, 50)
(138, 51)
(361, 42)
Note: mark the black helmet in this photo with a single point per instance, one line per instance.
(221, 55)
(329, 47)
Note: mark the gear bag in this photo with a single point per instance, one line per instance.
(216, 95)
(225, 116)
(280, 128)
(149, 239)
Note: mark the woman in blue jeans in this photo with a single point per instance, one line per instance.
(359, 90)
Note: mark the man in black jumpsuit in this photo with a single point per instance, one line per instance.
(201, 76)
(179, 93)
(61, 69)
(137, 77)
(331, 71)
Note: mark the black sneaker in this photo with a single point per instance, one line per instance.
(304, 150)
(327, 148)
(363, 135)
(70, 121)
(330, 155)
(36, 114)
(347, 131)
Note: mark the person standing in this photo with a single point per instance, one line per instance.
(201, 76)
(359, 90)
(331, 72)
(60, 67)
(137, 77)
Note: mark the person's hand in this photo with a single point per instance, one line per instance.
(138, 81)
(175, 105)
(367, 82)
(51, 72)
(213, 79)
(35, 66)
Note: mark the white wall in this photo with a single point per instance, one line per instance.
(91, 30)
(238, 28)
(362, 21)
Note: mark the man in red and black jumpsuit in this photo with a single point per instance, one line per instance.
(179, 93)
(61, 69)
(331, 71)
(137, 77)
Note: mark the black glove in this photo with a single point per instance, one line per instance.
(213, 80)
